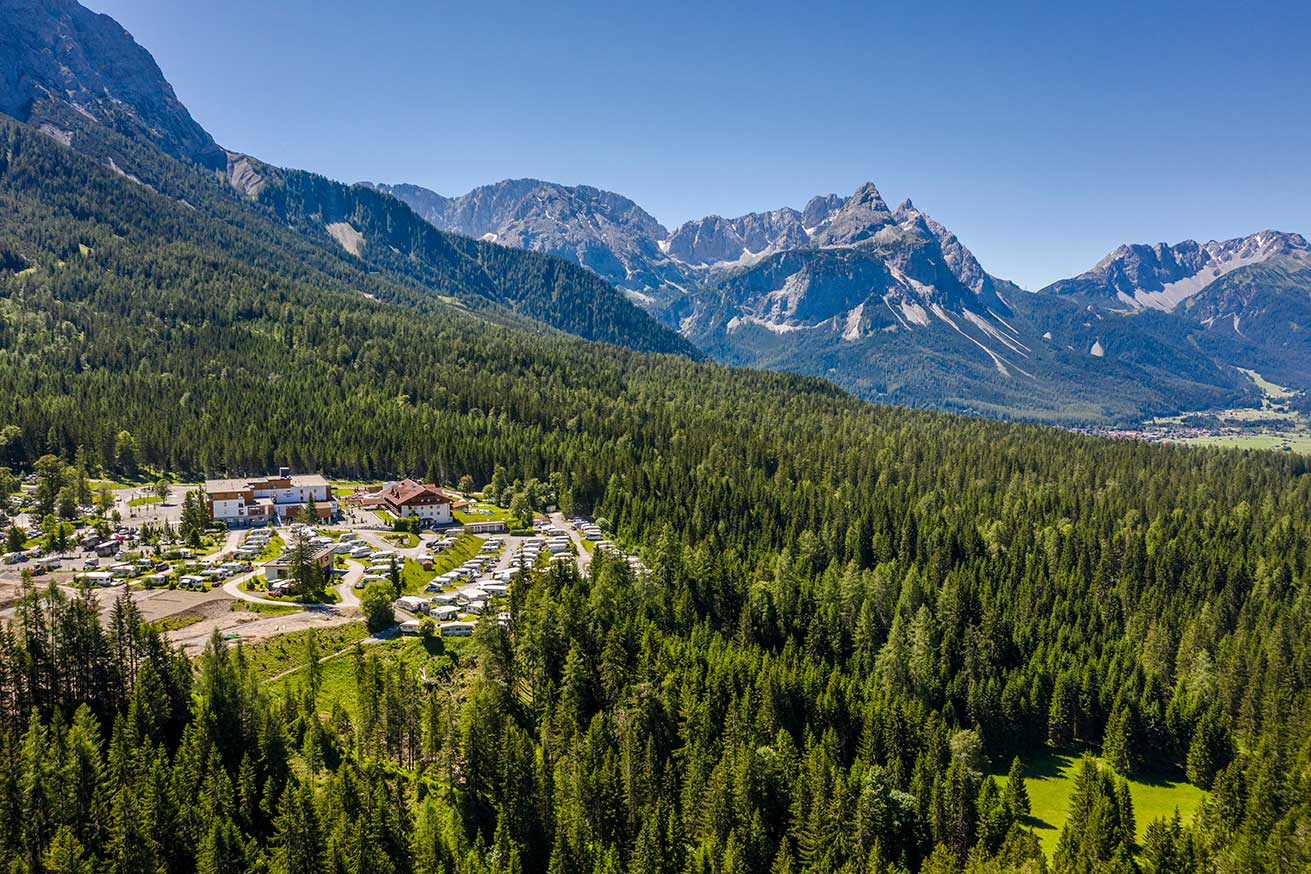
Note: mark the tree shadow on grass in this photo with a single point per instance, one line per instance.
(1163, 779)
(1049, 764)
(1037, 823)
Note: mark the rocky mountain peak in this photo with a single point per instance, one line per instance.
(820, 209)
(59, 50)
(1162, 276)
(867, 196)
(859, 218)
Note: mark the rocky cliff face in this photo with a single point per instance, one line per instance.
(57, 49)
(605, 232)
(863, 267)
(715, 240)
(615, 238)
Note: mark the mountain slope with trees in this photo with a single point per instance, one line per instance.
(82, 80)
(850, 610)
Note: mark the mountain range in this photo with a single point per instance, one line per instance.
(887, 303)
(891, 304)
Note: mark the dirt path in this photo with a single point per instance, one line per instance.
(247, 626)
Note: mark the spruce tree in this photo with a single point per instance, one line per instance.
(1211, 748)
(1119, 743)
(1017, 793)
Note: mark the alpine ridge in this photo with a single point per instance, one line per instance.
(891, 304)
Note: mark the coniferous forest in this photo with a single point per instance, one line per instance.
(854, 614)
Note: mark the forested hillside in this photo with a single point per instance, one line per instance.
(415, 263)
(852, 609)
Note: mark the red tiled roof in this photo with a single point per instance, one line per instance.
(408, 491)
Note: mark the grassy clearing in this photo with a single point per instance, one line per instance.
(1268, 388)
(441, 659)
(172, 623)
(265, 609)
(113, 484)
(270, 551)
(414, 578)
(402, 539)
(145, 502)
(257, 586)
(1049, 777)
(273, 656)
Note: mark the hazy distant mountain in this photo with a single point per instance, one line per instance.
(1245, 301)
(1162, 276)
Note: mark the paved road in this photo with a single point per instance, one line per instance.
(377, 541)
(345, 591)
(233, 588)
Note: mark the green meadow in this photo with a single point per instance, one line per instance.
(1049, 777)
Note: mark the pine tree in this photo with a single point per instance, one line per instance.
(66, 855)
(1211, 748)
(1062, 713)
(1119, 743)
(1017, 793)
(299, 841)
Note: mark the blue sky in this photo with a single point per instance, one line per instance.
(1044, 136)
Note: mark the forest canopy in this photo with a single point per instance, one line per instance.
(854, 614)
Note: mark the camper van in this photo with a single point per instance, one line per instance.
(411, 604)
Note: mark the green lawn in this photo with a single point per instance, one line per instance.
(1295, 442)
(268, 609)
(414, 577)
(482, 512)
(142, 502)
(256, 586)
(171, 623)
(269, 552)
(97, 483)
(1049, 777)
